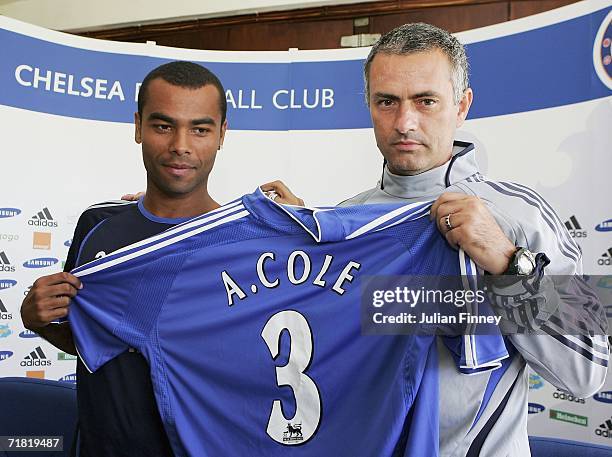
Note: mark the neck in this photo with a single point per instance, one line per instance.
(178, 206)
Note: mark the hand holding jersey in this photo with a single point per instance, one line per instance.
(467, 223)
(48, 299)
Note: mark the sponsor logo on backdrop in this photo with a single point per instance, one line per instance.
(68, 243)
(37, 374)
(605, 429)
(605, 226)
(5, 263)
(69, 378)
(65, 356)
(27, 290)
(8, 237)
(606, 258)
(28, 334)
(605, 282)
(9, 212)
(563, 395)
(535, 382)
(43, 219)
(41, 262)
(36, 358)
(569, 417)
(535, 408)
(5, 355)
(4, 314)
(7, 283)
(602, 55)
(604, 397)
(574, 228)
(5, 330)
(41, 240)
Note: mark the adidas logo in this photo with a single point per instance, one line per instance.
(4, 314)
(5, 264)
(606, 258)
(574, 228)
(43, 219)
(36, 358)
(563, 395)
(605, 429)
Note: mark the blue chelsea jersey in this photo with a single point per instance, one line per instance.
(249, 317)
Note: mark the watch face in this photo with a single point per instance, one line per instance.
(526, 263)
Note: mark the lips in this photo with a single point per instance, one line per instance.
(407, 145)
(178, 169)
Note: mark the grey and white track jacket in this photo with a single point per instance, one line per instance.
(560, 328)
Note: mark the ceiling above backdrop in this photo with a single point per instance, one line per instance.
(261, 24)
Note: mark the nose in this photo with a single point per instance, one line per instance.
(406, 119)
(180, 142)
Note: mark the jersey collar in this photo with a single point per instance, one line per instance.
(322, 224)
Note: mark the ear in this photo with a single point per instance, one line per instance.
(464, 106)
(222, 134)
(137, 128)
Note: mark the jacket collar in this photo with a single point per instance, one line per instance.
(432, 183)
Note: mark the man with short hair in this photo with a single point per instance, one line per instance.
(181, 124)
(417, 88)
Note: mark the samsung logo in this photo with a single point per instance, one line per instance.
(535, 408)
(41, 262)
(604, 397)
(69, 378)
(68, 243)
(5, 355)
(6, 283)
(28, 334)
(9, 212)
(605, 226)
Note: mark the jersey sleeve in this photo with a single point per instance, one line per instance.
(479, 349)
(119, 304)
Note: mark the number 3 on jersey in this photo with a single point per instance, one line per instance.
(303, 425)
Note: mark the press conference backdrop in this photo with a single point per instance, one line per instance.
(541, 116)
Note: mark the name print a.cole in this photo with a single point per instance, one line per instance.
(293, 273)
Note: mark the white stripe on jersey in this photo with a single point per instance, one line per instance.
(384, 218)
(410, 217)
(111, 203)
(195, 222)
(154, 247)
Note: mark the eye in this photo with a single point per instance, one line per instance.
(200, 130)
(385, 102)
(428, 101)
(162, 127)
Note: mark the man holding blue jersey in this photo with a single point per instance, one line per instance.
(180, 125)
(418, 92)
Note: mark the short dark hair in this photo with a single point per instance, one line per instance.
(421, 37)
(183, 74)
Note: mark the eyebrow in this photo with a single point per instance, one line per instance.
(162, 117)
(427, 93)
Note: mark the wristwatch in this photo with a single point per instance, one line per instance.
(522, 263)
